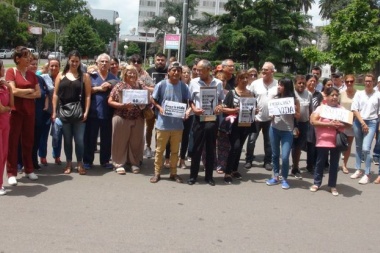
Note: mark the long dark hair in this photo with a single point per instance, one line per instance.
(1, 64)
(67, 67)
(288, 88)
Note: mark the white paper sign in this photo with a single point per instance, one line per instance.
(209, 100)
(281, 106)
(174, 109)
(247, 109)
(336, 113)
(137, 97)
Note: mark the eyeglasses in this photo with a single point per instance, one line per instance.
(230, 66)
(103, 62)
(349, 81)
(138, 62)
(264, 70)
(254, 75)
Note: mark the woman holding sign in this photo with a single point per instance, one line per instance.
(285, 109)
(127, 124)
(325, 133)
(231, 110)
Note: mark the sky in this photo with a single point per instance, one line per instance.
(129, 9)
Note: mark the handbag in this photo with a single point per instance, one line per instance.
(72, 112)
(341, 142)
(148, 112)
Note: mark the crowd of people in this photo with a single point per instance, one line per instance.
(197, 113)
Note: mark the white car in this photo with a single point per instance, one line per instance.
(5, 54)
(56, 55)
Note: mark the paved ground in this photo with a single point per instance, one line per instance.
(106, 212)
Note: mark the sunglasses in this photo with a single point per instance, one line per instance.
(138, 62)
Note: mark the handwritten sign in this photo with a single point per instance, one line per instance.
(247, 111)
(209, 100)
(281, 106)
(336, 113)
(138, 97)
(174, 109)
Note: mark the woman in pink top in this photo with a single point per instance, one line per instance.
(325, 133)
(6, 104)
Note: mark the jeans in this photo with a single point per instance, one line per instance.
(264, 127)
(285, 138)
(363, 143)
(322, 157)
(42, 150)
(376, 149)
(76, 131)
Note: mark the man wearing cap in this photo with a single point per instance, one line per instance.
(204, 132)
(338, 82)
(169, 129)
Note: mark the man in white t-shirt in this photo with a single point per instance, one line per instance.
(262, 88)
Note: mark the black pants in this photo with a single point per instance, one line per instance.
(204, 136)
(237, 139)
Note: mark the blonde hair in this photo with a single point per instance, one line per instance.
(128, 68)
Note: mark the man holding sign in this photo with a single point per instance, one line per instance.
(170, 96)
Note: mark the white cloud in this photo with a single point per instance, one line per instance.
(128, 11)
(316, 19)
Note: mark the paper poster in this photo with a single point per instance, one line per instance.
(247, 110)
(336, 113)
(174, 109)
(137, 97)
(209, 101)
(281, 106)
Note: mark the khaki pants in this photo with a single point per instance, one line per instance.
(163, 136)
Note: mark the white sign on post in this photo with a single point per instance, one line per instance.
(137, 97)
(247, 110)
(174, 109)
(281, 106)
(336, 113)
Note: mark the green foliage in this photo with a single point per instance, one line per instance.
(104, 29)
(354, 35)
(133, 48)
(80, 35)
(8, 25)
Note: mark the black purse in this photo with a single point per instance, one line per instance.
(72, 112)
(341, 142)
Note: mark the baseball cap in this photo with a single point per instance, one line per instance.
(174, 64)
(337, 75)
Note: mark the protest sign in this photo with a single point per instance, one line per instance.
(336, 113)
(174, 109)
(138, 97)
(247, 111)
(209, 100)
(281, 106)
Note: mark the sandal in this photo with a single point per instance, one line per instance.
(314, 188)
(120, 171)
(176, 178)
(82, 171)
(334, 192)
(219, 170)
(345, 170)
(377, 180)
(67, 170)
(155, 178)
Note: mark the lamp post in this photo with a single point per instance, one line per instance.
(295, 64)
(118, 21)
(55, 30)
(171, 21)
(125, 52)
(185, 20)
(314, 43)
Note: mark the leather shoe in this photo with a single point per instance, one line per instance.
(191, 181)
(210, 181)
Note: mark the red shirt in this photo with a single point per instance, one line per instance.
(23, 105)
(4, 99)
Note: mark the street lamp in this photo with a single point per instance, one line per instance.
(55, 30)
(314, 43)
(171, 21)
(125, 50)
(118, 21)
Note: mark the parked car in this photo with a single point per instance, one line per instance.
(33, 51)
(5, 54)
(56, 55)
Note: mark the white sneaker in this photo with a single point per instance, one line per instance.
(364, 180)
(31, 176)
(148, 152)
(12, 181)
(356, 175)
(2, 191)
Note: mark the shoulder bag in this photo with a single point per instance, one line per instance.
(72, 112)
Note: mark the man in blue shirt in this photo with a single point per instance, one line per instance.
(100, 114)
(169, 128)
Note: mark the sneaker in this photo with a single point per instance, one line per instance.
(12, 181)
(107, 166)
(148, 153)
(272, 181)
(356, 175)
(296, 173)
(189, 158)
(364, 180)
(334, 192)
(87, 166)
(284, 184)
(376, 160)
(268, 166)
(228, 179)
(248, 165)
(31, 176)
(2, 191)
(236, 175)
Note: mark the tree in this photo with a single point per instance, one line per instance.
(304, 4)
(329, 7)
(8, 25)
(80, 35)
(261, 31)
(354, 34)
(104, 29)
(133, 48)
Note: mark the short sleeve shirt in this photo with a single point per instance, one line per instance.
(366, 105)
(262, 93)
